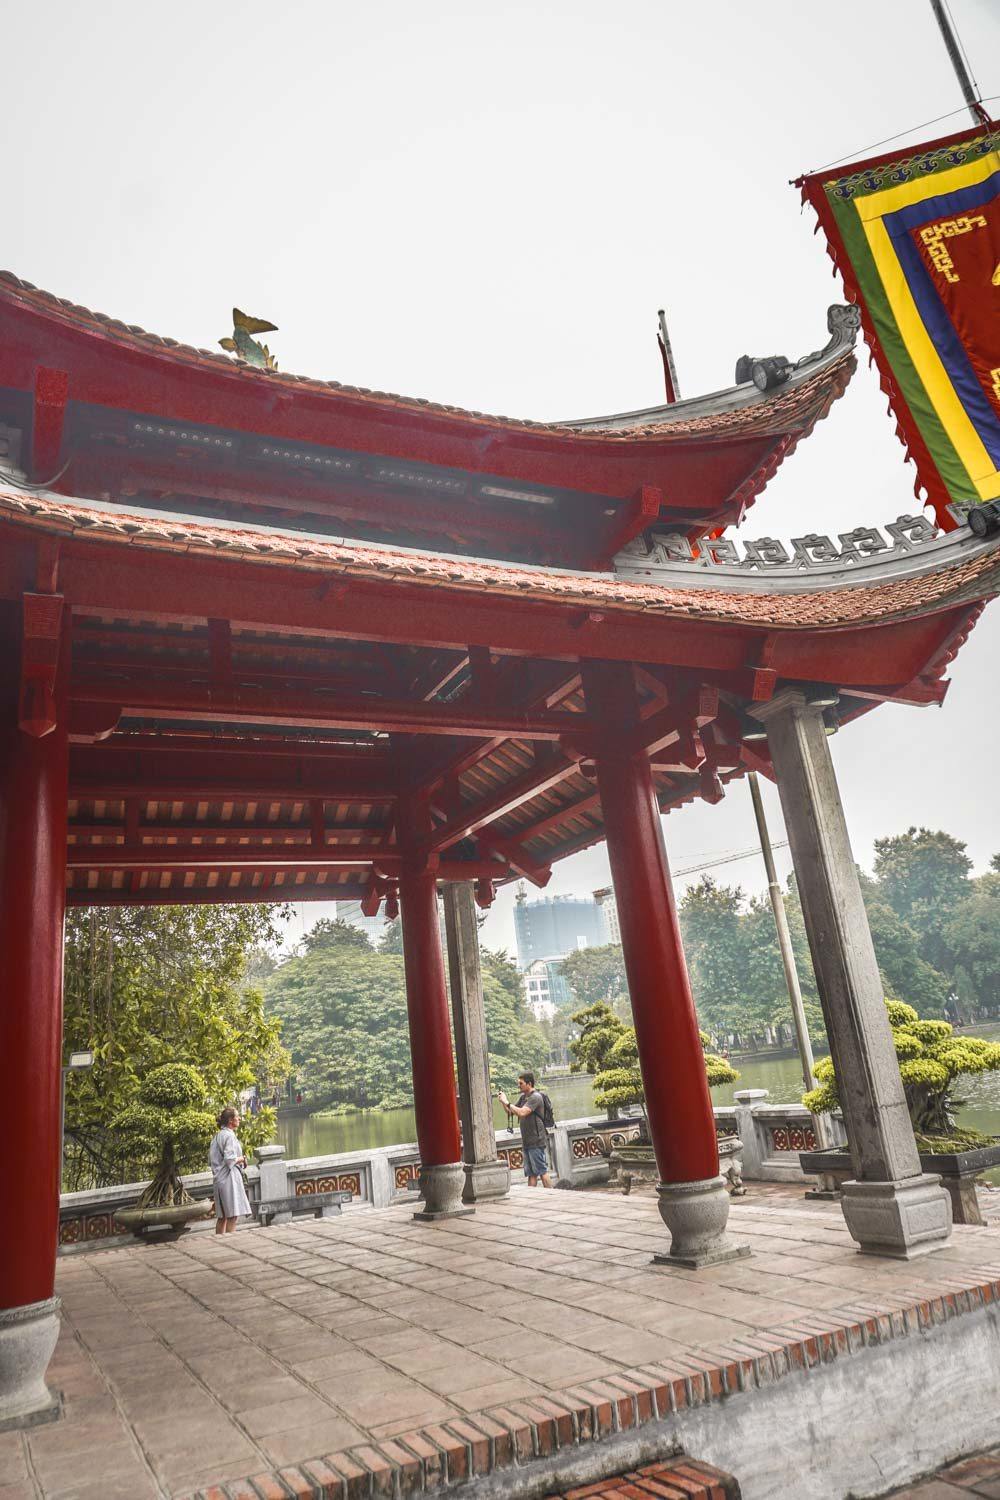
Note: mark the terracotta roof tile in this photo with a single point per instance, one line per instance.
(920, 593)
(793, 410)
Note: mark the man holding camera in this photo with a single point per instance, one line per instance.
(530, 1110)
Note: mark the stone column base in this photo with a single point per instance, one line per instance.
(696, 1215)
(27, 1338)
(485, 1179)
(441, 1189)
(898, 1219)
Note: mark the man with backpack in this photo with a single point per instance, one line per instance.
(534, 1110)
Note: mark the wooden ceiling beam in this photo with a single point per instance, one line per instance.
(224, 703)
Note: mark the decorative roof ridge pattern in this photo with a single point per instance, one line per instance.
(825, 373)
(964, 580)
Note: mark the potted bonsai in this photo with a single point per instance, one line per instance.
(607, 1049)
(169, 1124)
(931, 1058)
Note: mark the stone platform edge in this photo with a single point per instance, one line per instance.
(514, 1436)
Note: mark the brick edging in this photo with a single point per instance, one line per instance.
(464, 1448)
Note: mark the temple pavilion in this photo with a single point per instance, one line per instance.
(269, 638)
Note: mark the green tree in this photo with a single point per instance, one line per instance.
(924, 876)
(608, 1049)
(342, 1008)
(766, 987)
(167, 1126)
(336, 933)
(596, 975)
(516, 1042)
(897, 948)
(715, 945)
(930, 1058)
(973, 935)
(343, 1012)
(149, 986)
(391, 940)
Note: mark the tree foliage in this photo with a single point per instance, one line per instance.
(923, 875)
(596, 975)
(342, 1006)
(167, 1126)
(154, 986)
(930, 1057)
(608, 1049)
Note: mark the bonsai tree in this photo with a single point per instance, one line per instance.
(931, 1057)
(607, 1048)
(168, 1126)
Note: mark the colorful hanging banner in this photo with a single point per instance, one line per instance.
(917, 242)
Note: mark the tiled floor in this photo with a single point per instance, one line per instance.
(374, 1339)
(961, 1481)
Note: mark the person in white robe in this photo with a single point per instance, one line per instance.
(226, 1160)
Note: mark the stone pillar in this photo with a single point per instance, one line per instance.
(746, 1129)
(485, 1175)
(442, 1176)
(891, 1207)
(273, 1168)
(33, 797)
(693, 1200)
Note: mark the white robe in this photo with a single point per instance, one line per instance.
(230, 1195)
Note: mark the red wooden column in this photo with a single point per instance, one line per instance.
(435, 1100)
(693, 1199)
(33, 797)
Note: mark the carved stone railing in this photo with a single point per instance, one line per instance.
(772, 1136)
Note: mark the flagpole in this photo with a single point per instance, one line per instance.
(943, 19)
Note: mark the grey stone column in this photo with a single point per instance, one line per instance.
(891, 1208)
(485, 1175)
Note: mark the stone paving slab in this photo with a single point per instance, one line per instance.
(370, 1354)
(979, 1475)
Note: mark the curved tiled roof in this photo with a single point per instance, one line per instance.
(814, 385)
(970, 572)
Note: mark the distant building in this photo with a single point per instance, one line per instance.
(554, 926)
(605, 899)
(372, 927)
(545, 989)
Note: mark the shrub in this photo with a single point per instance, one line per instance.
(168, 1126)
(608, 1049)
(931, 1057)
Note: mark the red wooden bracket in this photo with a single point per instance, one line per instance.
(51, 392)
(372, 899)
(42, 618)
(629, 522)
(485, 891)
(90, 722)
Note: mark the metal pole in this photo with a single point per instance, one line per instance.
(670, 380)
(787, 955)
(62, 1121)
(976, 109)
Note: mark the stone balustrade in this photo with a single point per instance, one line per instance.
(772, 1136)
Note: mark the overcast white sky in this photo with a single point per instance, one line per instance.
(486, 204)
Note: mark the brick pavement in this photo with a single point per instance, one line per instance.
(342, 1357)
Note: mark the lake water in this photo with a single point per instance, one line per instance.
(573, 1097)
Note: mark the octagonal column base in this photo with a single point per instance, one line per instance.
(696, 1214)
(27, 1338)
(441, 1189)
